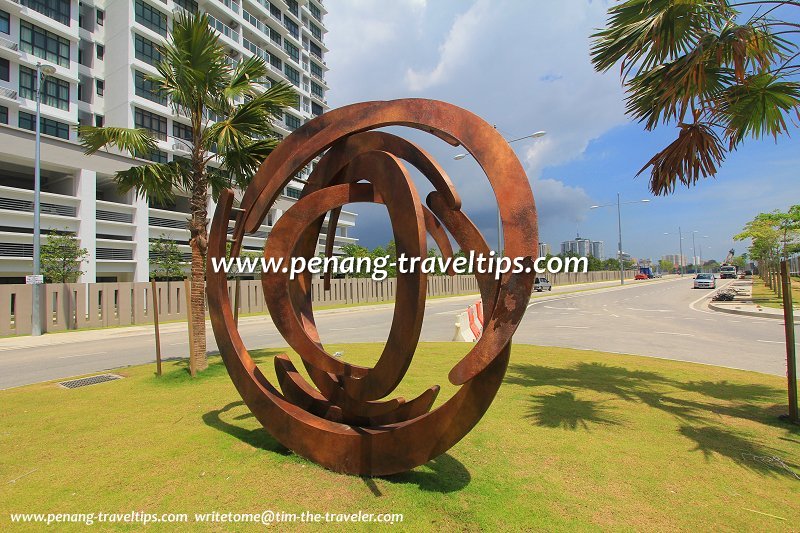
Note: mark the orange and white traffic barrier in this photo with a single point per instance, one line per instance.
(469, 324)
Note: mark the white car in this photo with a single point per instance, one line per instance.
(542, 284)
(705, 281)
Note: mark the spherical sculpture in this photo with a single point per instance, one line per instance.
(343, 420)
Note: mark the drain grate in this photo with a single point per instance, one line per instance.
(91, 380)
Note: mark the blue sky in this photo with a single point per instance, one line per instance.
(524, 66)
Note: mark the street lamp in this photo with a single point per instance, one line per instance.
(680, 245)
(36, 316)
(459, 157)
(619, 228)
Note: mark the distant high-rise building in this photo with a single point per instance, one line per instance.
(544, 249)
(584, 247)
(598, 250)
(675, 259)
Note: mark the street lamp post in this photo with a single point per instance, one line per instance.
(36, 316)
(680, 249)
(619, 229)
(461, 156)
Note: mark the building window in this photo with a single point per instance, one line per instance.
(316, 109)
(55, 92)
(146, 50)
(292, 74)
(316, 12)
(188, 5)
(275, 61)
(291, 192)
(292, 122)
(99, 121)
(294, 8)
(101, 51)
(54, 9)
(5, 70)
(5, 22)
(101, 17)
(275, 36)
(181, 131)
(292, 50)
(157, 156)
(147, 89)
(48, 126)
(3, 114)
(274, 10)
(315, 30)
(316, 70)
(317, 90)
(101, 87)
(315, 50)
(155, 124)
(292, 26)
(150, 17)
(43, 44)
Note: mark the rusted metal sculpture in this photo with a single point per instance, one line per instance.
(343, 420)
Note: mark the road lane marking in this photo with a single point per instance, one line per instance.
(81, 355)
(574, 327)
(649, 310)
(561, 308)
(332, 329)
(771, 342)
(674, 333)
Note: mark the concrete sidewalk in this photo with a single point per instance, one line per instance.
(743, 304)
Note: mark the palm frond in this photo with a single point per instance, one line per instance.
(245, 78)
(241, 164)
(251, 119)
(759, 107)
(643, 33)
(194, 67)
(130, 140)
(154, 180)
(695, 154)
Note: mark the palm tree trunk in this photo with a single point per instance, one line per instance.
(199, 244)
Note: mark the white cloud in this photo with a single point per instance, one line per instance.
(463, 36)
(521, 65)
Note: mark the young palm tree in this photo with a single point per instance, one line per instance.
(196, 76)
(721, 76)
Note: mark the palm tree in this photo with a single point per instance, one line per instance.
(196, 76)
(721, 76)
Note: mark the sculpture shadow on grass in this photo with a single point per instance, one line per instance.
(443, 474)
(257, 438)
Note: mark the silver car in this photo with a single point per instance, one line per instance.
(705, 281)
(542, 284)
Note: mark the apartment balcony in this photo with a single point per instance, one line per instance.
(163, 219)
(116, 219)
(8, 95)
(232, 5)
(223, 29)
(53, 206)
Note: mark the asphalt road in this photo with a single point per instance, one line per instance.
(661, 318)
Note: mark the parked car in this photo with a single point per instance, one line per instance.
(705, 281)
(542, 284)
(641, 276)
(748, 272)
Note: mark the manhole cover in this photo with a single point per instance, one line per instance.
(91, 380)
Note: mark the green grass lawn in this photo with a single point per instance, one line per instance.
(575, 440)
(766, 297)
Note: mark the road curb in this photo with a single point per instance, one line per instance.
(759, 314)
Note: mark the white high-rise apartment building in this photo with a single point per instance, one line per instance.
(101, 50)
(583, 247)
